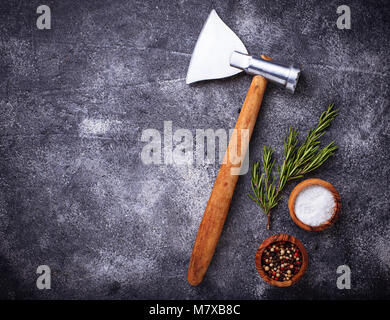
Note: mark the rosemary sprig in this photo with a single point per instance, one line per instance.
(298, 160)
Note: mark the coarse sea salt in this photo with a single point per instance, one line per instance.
(314, 205)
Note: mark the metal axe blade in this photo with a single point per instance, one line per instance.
(211, 56)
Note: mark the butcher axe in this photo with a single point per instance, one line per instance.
(219, 53)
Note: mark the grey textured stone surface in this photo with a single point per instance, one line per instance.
(75, 195)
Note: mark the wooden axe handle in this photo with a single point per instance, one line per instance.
(219, 202)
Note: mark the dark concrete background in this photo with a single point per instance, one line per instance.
(75, 100)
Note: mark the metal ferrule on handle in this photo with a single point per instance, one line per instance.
(274, 72)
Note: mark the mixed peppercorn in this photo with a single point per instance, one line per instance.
(281, 260)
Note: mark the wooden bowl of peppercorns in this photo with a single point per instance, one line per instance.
(281, 260)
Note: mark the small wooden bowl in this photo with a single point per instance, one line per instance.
(309, 182)
(277, 238)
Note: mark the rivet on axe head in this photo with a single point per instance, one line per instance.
(219, 53)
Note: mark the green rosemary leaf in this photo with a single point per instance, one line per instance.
(254, 199)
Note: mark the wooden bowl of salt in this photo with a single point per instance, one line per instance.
(314, 204)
